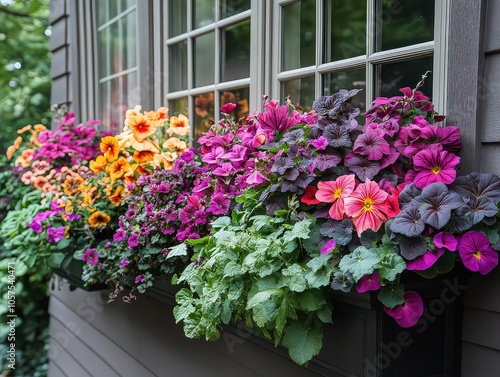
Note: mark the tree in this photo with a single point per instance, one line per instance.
(24, 66)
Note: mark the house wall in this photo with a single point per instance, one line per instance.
(92, 338)
(481, 315)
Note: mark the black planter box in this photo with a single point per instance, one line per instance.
(71, 270)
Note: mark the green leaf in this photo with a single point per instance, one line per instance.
(392, 295)
(55, 260)
(232, 269)
(301, 230)
(303, 341)
(391, 266)
(221, 222)
(318, 262)
(360, 262)
(262, 296)
(177, 251)
(324, 314)
(310, 301)
(311, 243)
(63, 244)
(265, 312)
(281, 317)
(296, 280)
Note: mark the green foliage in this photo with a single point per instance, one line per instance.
(24, 67)
(255, 268)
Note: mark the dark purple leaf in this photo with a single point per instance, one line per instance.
(337, 136)
(461, 220)
(362, 167)
(408, 193)
(281, 164)
(292, 137)
(409, 221)
(478, 184)
(326, 161)
(437, 202)
(340, 231)
(412, 247)
(291, 174)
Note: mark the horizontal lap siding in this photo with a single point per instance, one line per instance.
(142, 339)
(481, 321)
(59, 47)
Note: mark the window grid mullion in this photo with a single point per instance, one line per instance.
(371, 25)
(319, 42)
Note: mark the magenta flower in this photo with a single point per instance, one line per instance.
(476, 252)
(446, 240)
(140, 279)
(320, 143)
(228, 108)
(434, 166)
(328, 248)
(54, 235)
(133, 240)
(36, 226)
(90, 256)
(124, 262)
(408, 313)
(425, 261)
(369, 282)
(219, 204)
(276, 120)
(225, 170)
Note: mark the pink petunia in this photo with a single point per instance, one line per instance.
(408, 313)
(476, 252)
(446, 240)
(372, 144)
(228, 108)
(369, 282)
(335, 192)
(91, 256)
(309, 196)
(367, 206)
(434, 166)
(328, 248)
(425, 261)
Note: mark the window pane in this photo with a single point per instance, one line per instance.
(127, 4)
(232, 7)
(129, 48)
(113, 9)
(236, 52)
(115, 49)
(345, 29)
(355, 79)
(240, 97)
(399, 75)
(301, 91)
(102, 53)
(299, 35)
(177, 17)
(204, 113)
(203, 12)
(404, 22)
(103, 104)
(131, 91)
(178, 106)
(102, 10)
(204, 59)
(177, 67)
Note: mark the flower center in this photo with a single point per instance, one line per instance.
(436, 169)
(477, 254)
(368, 204)
(337, 193)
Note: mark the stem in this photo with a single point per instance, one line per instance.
(420, 84)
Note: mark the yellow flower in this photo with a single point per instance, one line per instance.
(99, 219)
(179, 125)
(175, 145)
(72, 185)
(40, 127)
(66, 232)
(160, 114)
(109, 146)
(166, 159)
(98, 165)
(24, 129)
(117, 196)
(141, 126)
(143, 156)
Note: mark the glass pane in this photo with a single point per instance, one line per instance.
(399, 75)
(204, 113)
(113, 9)
(177, 17)
(117, 104)
(404, 22)
(102, 10)
(355, 79)
(178, 106)
(232, 7)
(236, 52)
(240, 97)
(301, 91)
(131, 91)
(102, 53)
(103, 104)
(345, 29)
(177, 66)
(127, 4)
(129, 30)
(299, 35)
(204, 59)
(115, 49)
(203, 12)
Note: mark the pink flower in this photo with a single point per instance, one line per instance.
(228, 107)
(335, 192)
(408, 313)
(367, 206)
(90, 256)
(425, 261)
(372, 144)
(328, 248)
(320, 143)
(434, 166)
(476, 252)
(369, 282)
(140, 279)
(309, 196)
(446, 240)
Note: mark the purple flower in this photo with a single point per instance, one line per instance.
(54, 235)
(425, 261)
(36, 226)
(326, 161)
(140, 279)
(124, 262)
(228, 108)
(369, 282)
(408, 313)
(219, 204)
(225, 170)
(119, 235)
(73, 216)
(476, 252)
(133, 240)
(276, 120)
(90, 256)
(446, 240)
(320, 143)
(434, 166)
(372, 145)
(328, 247)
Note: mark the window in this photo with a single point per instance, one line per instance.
(117, 60)
(208, 47)
(375, 45)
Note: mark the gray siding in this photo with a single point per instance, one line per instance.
(59, 46)
(481, 315)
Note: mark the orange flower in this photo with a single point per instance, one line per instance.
(72, 185)
(10, 151)
(128, 179)
(68, 208)
(179, 125)
(109, 146)
(160, 114)
(117, 196)
(99, 219)
(118, 168)
(66, 232)
(40, 127)
(175, 145)
(166, 159)
(143, 156)
(98, 165)
(39, 182)
(24, 129)
(141, 126)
